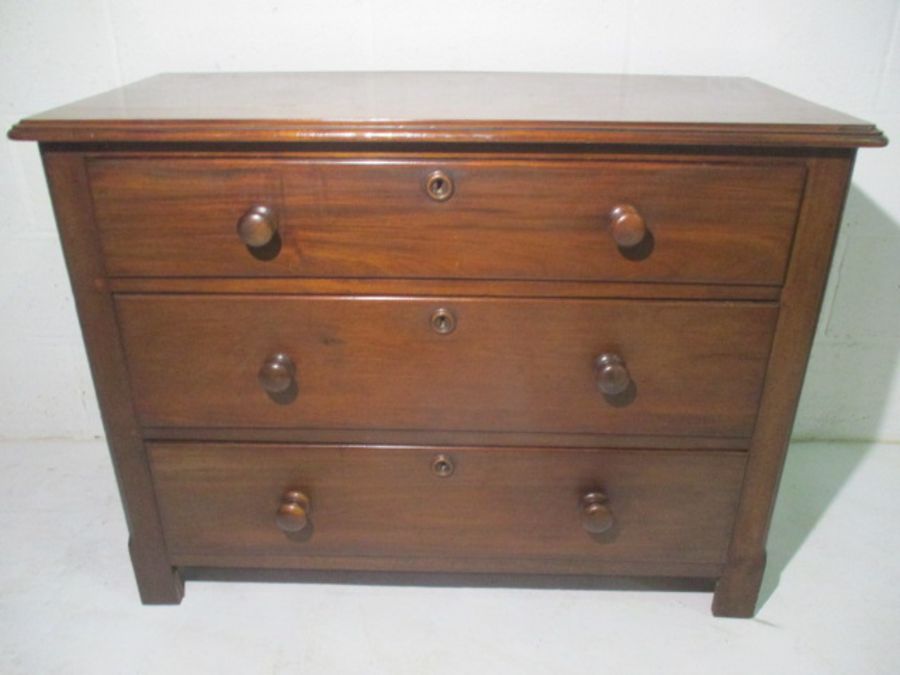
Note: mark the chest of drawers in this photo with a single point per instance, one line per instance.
(453, 323)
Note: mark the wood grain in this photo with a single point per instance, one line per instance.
(631, 439)
(158, 581)
(449, 108)
(709, 222)
(511, 503)
(351, 322)
(441, 288)
(377, 363)
(738, 588)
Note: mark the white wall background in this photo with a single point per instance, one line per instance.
(841, 53)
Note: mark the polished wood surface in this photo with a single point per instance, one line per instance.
(631, 439)
(694, 578)
(557, 572)
(510, 503)
(292, 515)
(627, 226)
(613, 377)
(737, 590)
(258, 226)
(277, 374)
(706, 221)
(695, 368)
(449, 107)
(463, 323)
(596, 515)
(367, 287)
(158, 581)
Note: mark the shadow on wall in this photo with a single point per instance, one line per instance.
(845, 377)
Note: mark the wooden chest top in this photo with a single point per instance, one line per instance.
(449, 107)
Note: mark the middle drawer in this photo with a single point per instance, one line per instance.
(456, 364)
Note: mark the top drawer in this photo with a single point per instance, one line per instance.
(705, 222)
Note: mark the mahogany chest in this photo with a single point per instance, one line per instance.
(501, 324)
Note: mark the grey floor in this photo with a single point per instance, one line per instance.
(68, 602)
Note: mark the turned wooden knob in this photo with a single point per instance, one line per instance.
(293, 514)
(612, 376)
(627, 226)
(258, 226)
(277, 373)
(596, 516)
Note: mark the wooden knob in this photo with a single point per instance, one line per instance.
(627, 226)
(596, 516)
(277, 374)
(258, 226)
(612, 376)
(293, 514)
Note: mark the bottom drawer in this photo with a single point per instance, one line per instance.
(447, 509)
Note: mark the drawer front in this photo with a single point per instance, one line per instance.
(219, 504)
(707, 222)
(526, 365)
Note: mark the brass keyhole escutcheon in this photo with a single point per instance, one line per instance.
(443, 321)
(442, 466)
(439, 186)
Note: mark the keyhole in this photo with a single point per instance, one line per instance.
(442, 466)
(443, 321)
(439, 186)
